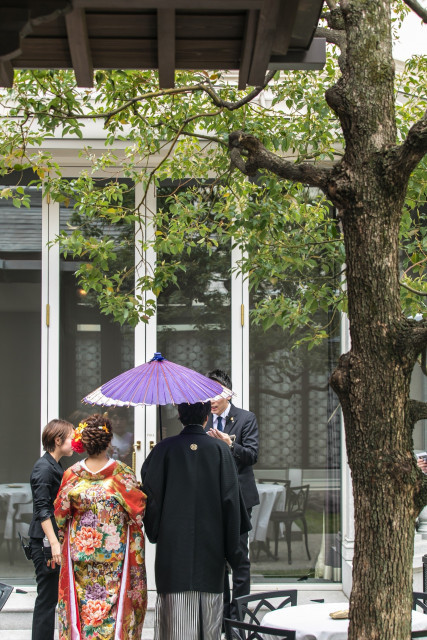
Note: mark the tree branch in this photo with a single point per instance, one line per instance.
(172, 145)
(290, 394)
(334, 36)
(418, 9)
(199, 136)
(420, 336)
(416, 411)
(232, 106)
(404, 159)
(334, 18)
(337, 37)
(140, 98)
(419, 293)
(249, 155)
(202, 86)
(340, 377)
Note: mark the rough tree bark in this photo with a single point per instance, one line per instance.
(368, 187)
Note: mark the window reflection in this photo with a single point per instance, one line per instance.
(194, 315)
(93, 348)
(299, 447)
(299, 456)
(20, 347)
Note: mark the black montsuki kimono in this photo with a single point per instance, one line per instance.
(195, 512)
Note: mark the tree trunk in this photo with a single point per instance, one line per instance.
(368, 188)
(379, 440)
(375, 374)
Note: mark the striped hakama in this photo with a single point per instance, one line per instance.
(189, 615)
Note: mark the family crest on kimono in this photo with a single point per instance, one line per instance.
(99, 511)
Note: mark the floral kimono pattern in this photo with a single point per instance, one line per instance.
(102, 584)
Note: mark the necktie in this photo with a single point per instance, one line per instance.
(219, 424)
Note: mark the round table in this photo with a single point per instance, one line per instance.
(14, 494)
(312, 621)
(270, 495)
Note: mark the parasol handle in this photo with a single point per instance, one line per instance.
(160, 423)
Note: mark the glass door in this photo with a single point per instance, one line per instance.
(20, 382)
(93, 348)
(300, 451)
(194, 315)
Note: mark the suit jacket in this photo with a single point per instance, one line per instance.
(45, 480)
(243, 424)
(194, 511)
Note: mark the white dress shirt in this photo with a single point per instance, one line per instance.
(223, 415)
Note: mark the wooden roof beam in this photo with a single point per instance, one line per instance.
(267, 24)
(114, 5)
(247, 47)
(166, 47)
(285, 24)
(313, 59)
(6, 73)
(78, 42)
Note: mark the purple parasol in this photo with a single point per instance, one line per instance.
(158, 381)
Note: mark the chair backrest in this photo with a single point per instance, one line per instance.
(419, 634)
(22, 509)
(249, 606)
(5, 591)
(419, 599)
(235, 630)
(296, 499)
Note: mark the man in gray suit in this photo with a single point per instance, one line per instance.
(239, 430)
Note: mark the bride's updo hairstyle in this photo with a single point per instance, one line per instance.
(97, 435)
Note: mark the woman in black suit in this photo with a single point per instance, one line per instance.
(45, 480)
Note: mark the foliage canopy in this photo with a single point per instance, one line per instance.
(290, 239)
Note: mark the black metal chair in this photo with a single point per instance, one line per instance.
(270, 600)
(296, 505)
(5, 591)
(419, 599)
(235, 630)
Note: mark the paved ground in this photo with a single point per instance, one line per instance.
(265, 571)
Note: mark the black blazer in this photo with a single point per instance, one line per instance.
(243, 424)
(195, 512)
(45, 480)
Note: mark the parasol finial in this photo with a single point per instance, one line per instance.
(157, 356)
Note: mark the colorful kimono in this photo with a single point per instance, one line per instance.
(102, 584)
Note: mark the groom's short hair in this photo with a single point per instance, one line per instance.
(194, 413)
(220, 376)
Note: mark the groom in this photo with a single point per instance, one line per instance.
(239, 429)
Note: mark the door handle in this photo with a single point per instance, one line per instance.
(136, 446)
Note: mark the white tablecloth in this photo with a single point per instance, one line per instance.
(14, 494)
(270, 495)
(312, 621)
